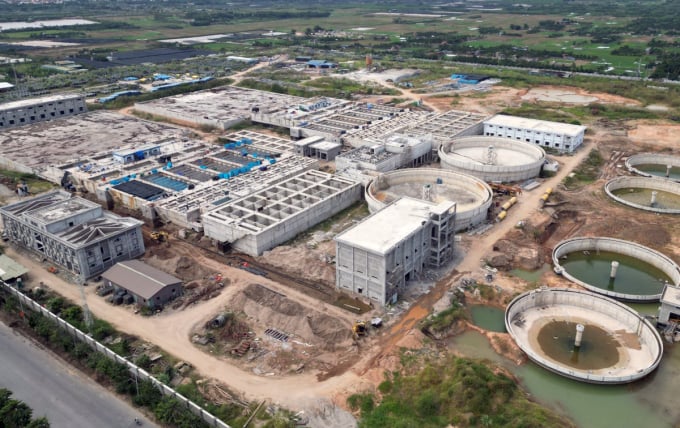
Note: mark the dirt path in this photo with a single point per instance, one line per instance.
(527, 206)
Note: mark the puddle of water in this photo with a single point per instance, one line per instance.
(532, 276)
(489, 318)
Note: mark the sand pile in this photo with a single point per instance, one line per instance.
(310, 263)
(271, 309)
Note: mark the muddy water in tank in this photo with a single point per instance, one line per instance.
(642, 196)
(597, 350)
(650, 402)
(633, 275)
(659, 170)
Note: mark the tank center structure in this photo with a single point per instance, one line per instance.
(584, 336)
(472, 196)
(619, 269)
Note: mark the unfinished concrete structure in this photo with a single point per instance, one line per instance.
(472, 196)
(266, 218)
(636, 350)
(445, 126)
(563, 137)
(37, 147)
(376, 258)
(669, 311)
(72, 232)
(366, 162)
(649, 194)
(492, 158)
(24, 112)
(221, 107)
(179, 179)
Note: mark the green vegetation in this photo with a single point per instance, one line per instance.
(444, 320)
(453, 391)
(35, 184)
(586, 172)
(16, 414)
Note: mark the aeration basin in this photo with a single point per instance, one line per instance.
(649, 194)
(584, 336)
(473, 196)
(619, 269)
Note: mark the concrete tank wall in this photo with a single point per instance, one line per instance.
(627, 316)
(651, 159)
(640, 252)
(465, 218)
(643, 183)
(493, 172)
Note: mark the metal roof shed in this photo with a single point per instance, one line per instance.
(148, 285)
(9, 269)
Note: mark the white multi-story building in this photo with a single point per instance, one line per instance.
(376, 258)
(23, 112)
(563, 137)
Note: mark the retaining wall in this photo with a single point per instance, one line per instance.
(465, 218)
(643, 183)
(139, 373)
(627, 316)
(627, 248)
(492, 172)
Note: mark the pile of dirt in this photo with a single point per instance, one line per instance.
(312, 262)
(274, 310)
(507, 255)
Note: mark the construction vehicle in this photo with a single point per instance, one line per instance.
(52, 269)
(359, 329)
(159, 236)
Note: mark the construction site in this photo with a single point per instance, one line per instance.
(286, 258)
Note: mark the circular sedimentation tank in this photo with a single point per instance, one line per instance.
(655, 165)
(473, 196)
(619, 269)
(649, 194)
(616, 344)
(492, 158)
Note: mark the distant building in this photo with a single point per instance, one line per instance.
(321, 63)
(244, 59)
(73, 232)
(149, 286)
(376, 258)
(23, 112)
(563, 137)
(469, 79)
(10, 270)
(5, 86)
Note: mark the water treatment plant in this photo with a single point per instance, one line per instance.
(584, 336)
(619, 269)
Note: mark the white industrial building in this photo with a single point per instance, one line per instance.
(23, 112)
(72, 232)
(563, 137)
(376, 258)
(271, 216)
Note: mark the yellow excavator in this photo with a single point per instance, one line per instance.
(359, 329)
(159, 236)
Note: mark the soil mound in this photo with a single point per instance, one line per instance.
(274, 310)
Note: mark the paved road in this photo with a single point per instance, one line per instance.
(54, 389)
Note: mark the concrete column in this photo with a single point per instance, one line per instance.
(579, 335)
(653, 201)
(668, 170)
(612, 272)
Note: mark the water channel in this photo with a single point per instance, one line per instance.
(634, 276)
